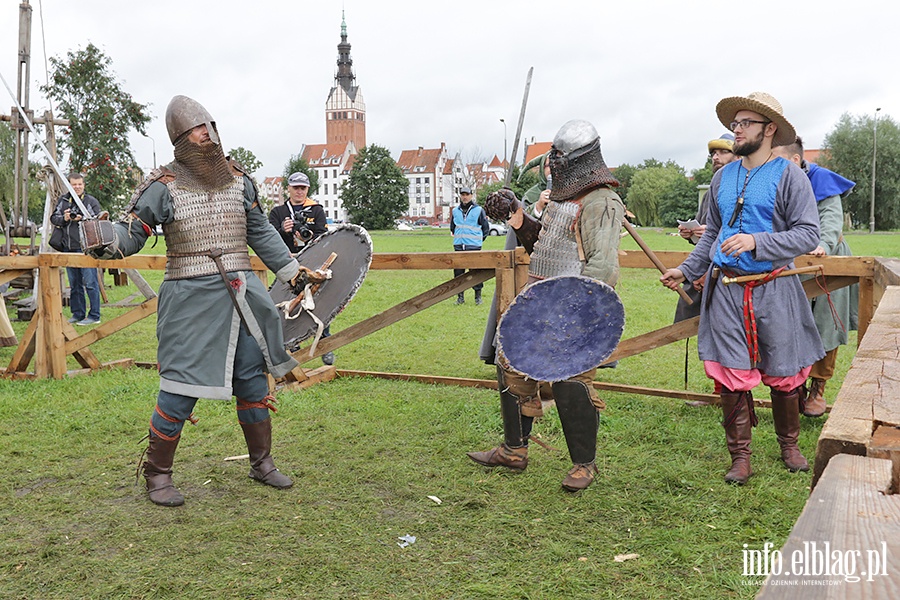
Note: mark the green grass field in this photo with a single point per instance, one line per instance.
(367, 454)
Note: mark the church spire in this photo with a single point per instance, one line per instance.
(344, 76)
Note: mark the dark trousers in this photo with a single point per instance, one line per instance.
(457, 272)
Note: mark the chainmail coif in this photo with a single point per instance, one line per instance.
(201, 168)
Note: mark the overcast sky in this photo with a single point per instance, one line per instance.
(648, 73)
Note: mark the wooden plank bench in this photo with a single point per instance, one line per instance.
(870, 395)
(849, 529)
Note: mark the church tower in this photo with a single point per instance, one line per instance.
(345, 109)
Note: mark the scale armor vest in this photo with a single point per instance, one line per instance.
(556, 251)
(206, 221)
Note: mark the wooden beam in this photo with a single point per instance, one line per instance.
(506, 288)
(7, 275)
(84, 356)
(312, 377)
(122, 363)
(25, 350)
(492, 385)
(885, 443)
(110, 327)
(478, 259)
(448, 289)
(50, 355)
(866, 305)
(655, 339)
(848, 512)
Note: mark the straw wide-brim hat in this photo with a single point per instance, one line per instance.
(762, 103)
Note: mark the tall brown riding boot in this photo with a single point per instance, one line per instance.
(158, 472)
(259, 444)
(786, 413)
(513, 452)
(737, 409)
(815, 403)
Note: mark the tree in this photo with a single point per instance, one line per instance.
(298, 163)
(246, 159)
(36, 191)
(376, 193)
(847, 150)
(661, 192)
(624, 173)
(100, 115)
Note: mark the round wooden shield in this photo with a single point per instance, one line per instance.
(353, 249)
(560, 327)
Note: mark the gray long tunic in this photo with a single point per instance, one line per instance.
(197, 324)
(788, 340)
(831, 221)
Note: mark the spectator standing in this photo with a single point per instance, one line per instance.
(82, 281)
(469, 227)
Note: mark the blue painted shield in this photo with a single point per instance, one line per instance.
(561, 327)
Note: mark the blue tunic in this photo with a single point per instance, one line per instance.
(780, 212)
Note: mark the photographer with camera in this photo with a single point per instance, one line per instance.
(299, 221)
(301, 218)
(66, 238)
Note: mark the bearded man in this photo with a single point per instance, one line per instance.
(218, 330)
(762, 214)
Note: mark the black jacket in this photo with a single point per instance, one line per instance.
(315, 220)
(71, 239)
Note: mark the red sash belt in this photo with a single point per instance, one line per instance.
(749, 314)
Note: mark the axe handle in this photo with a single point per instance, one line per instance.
(314, 288)
(653, 258)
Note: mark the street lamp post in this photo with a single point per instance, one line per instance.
(874, 156)
(154, 149)
(504, 142)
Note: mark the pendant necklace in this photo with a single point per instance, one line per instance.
(739, 206)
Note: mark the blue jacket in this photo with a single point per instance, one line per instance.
(469, 225)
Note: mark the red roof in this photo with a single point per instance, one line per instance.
(536, 149)
(426, 160)
(812, 155)
(448, 168)
(496, 163)
(324, 154)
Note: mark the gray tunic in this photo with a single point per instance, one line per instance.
(788, 340)
(197, 324)
(845, 300)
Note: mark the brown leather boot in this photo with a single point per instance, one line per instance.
(158, 472)
(786, 413)
(737, 409)
(502, 456)
(580, 421)
(815, 403)
(580, 477)
(259, 444)
(513, 453)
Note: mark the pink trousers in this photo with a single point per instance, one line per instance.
(742, 380)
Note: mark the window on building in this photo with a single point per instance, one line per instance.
(334, 173)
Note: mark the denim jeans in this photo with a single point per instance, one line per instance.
(83, 281)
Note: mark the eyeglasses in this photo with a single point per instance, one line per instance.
(745, 123)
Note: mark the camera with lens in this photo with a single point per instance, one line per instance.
(301, 228)
(74, 212)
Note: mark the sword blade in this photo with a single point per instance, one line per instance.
(512, 159)
(49, 156)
